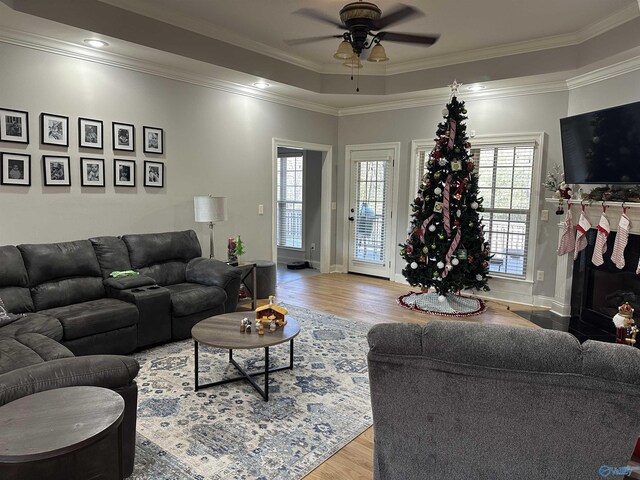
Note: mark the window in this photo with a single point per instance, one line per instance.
(508, 169)
(289, 190)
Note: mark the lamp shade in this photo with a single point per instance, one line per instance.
(353, 62)
(378, 54)
(210, 209)
(345, 51)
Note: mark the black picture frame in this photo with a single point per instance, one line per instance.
(14, 125)
(90, 133)
(15, 169)
(56, 170)
(153, 174)
(54, 129)
(92, 172)
(124, 172)
(124, 136)
(153, 140)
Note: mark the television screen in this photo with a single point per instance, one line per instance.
(602, 146)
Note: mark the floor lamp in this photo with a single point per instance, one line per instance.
(209, 209)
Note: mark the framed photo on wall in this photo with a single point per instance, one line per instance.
(16, 169)
(153, 139)
(124, 173)
(124, 136)
(54, 129)
(56, 170)
(14, 126)
(92, 172)
(153, 174)
(90, 133)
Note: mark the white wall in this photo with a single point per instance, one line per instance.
(215, 142)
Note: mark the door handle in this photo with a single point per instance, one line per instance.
(351, 219)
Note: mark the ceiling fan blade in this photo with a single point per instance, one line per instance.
(395, 15)
(302, 41)
(317, 15)
(408, 38)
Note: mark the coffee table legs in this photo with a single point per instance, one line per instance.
(246, 375)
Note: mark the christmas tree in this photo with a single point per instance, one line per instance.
(445, 248)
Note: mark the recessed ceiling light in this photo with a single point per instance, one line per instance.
(92, 42)
(261, 85)
(476, 88)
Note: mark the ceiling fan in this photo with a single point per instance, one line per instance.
(364, 25)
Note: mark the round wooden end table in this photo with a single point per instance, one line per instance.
(223, 331)
(64, 433)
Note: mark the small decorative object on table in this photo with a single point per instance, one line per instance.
(626, 329)
(235, 248)
(244, 323)
(271, 314)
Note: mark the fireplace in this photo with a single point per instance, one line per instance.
(597, 292)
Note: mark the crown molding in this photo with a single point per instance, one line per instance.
(204, 28)
(71, 50)
(604, 73)
(614, 20)
(440, 96)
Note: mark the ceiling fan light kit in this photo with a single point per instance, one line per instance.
(377, 54)
(344, 52)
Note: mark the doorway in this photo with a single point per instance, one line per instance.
(301, 200)
(372, 199)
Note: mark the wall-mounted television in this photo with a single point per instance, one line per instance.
(602, 146)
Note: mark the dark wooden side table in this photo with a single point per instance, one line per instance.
(249, 269)
(67, 433)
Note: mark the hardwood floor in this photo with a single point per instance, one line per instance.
(368, 300)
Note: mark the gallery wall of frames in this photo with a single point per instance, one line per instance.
(16, 166)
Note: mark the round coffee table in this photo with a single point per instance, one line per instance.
(223, 331)
(64, 433)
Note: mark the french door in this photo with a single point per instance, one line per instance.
(370, 202)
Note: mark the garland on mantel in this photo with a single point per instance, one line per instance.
(613, 194)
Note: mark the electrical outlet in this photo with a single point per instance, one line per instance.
(334, 205)
(540, 276)
(313, 247)
(544, 216)
(260, 209)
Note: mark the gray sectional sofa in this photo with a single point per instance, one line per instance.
(78, 321)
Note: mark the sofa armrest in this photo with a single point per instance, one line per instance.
(124, 283)
(211, 272)
(108, 371)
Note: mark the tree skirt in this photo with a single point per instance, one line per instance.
(453, 306)
(227, 431)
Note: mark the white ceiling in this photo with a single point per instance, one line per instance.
(470, 30)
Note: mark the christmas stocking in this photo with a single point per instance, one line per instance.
(601, 240)
(582, 228)
(567, 239)
(622, 237)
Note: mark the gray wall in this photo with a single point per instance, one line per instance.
(215, 143)
(520, 114)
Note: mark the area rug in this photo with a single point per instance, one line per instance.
(450, 306)
(228, 431)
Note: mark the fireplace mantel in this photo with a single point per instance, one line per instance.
(564, 269)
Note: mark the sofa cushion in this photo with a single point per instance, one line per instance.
(66, 292)
(29, 349)
(108, 371)
(112, 254)
(34, 323)
(12, 270)
(97, 316)
(51, 261)
(190, 298)
(151, 248)
(17, 299)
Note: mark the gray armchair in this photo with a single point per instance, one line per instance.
(458, 400)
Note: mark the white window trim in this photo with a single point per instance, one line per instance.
(304, 203)
(515, 139)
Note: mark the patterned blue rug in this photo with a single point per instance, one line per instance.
(228, 432)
